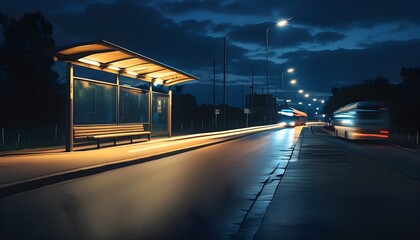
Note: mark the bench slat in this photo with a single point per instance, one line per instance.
(119, 135)
(109, 131)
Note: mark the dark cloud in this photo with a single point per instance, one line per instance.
(253, 33)
(281, 37)
(278, 37)
(227, 7)
(189, 35)
(223, 28)
(197, 27)
(319, 13)
(328, 36)
(317, 72)
(289, 36)
(322, 70)
(145, 30)
(18, 8)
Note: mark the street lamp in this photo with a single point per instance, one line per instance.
(289, 70)
(293, 82)
(281, 23)
(306, 110)
(299, 92)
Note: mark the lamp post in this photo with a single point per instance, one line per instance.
(298, 97)
(289, 70)
(292, 82)
(281, 23)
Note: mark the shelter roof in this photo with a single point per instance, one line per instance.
(105, 56)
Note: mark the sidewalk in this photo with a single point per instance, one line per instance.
(329, 192)
(37, 168)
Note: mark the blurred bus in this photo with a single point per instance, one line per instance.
(291, 117)
(362, 120)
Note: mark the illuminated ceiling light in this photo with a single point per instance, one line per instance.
(300, 91)
(290, 70)
(91, 62)
(314, 99)
(132, 73)
(157, 81)
(322, 101)
(306, 95)
(300, 103)
(293, 81)
(113, 67)
(159, 75)
(140, 69)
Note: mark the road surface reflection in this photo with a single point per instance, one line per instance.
(199, 194)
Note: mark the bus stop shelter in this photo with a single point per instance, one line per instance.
(107, 57)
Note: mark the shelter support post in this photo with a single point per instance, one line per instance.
(117, 100)
(150, 107)
(70, 106)
(170, 112)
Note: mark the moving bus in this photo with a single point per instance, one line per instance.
(291, 117)
(362, 120)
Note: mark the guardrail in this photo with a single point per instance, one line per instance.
(405, 137)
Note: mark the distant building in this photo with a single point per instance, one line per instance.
(263, 108)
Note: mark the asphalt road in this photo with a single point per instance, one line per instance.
(205, 193)
(268, 185)
(341, 189)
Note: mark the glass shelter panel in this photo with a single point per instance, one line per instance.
(94, 103)
(134, 106)
(160, 113)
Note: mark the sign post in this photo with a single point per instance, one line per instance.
(216, 112)
(246, 111)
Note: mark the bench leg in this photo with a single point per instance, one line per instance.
(148, 137)
(131, 138)
(115, 141)
(99, 143)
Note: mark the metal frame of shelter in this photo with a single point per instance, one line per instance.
(102, 55)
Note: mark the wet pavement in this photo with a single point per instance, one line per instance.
(200, 194)
(334, 192)
(319, 187)
(25, 170)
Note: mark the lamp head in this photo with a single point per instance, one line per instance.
(282, 23)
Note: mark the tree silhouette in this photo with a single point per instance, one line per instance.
(411, 80)
(30, 93)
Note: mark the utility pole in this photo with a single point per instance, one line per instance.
(252, 98)
(214, 92)
(224, 84)
(242, 97)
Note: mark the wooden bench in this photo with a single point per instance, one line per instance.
(113, 131)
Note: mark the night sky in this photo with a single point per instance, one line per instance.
(330, 43)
